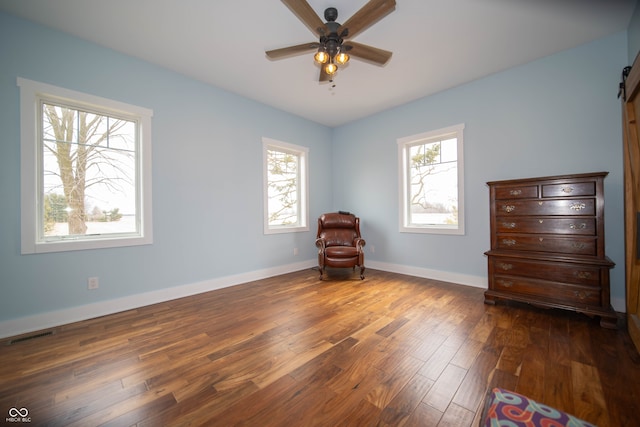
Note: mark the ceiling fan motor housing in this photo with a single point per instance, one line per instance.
(332, 41)
(331, 14)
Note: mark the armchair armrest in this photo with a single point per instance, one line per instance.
(359, 243)
(321, 244)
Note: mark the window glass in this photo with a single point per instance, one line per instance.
(89, 174)
(285, 182)
(431, 182)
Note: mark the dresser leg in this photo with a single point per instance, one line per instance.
(609, 322)
(489, 300)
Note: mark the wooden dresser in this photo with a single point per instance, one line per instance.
(547, 244)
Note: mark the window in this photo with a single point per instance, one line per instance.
(285, 187)
(86, 171)
(431, 182)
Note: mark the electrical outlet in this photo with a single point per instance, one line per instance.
(295, 251)
(373, 249)
(93, 283)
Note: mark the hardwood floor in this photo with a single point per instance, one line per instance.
(291, 351)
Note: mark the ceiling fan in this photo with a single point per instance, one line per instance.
(334, 46)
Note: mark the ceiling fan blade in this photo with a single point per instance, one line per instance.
(368, 53)
(307, 15)
(291, 50)
(368, 15)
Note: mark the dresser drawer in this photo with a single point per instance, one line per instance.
(516, 224)
(570, 189)
(574, 245)
(572, 207)
(548, 291)
(517, 192)
(586, 275)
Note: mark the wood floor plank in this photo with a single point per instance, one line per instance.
(558, 386)
(531, 376)
(406, 401)
(476, 381)
(456, 416)
(441, 358)
(588, 396)
(581, 350)
(392, 327)
(258, 406)
(445, 387)
(212, 402)
(618, 397)
(141, 412)
(390, 350)
(467, 353)
(511, 359)
(350, 387)
(424, 416)
(395, 379)
(364, 414)
(430, 343)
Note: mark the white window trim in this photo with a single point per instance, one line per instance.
(303, 152)
(30, 92)
(403, 173)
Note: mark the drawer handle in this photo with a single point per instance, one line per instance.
(540, 203)
(515, 192)
(509, 224)
(541, 221)
(581, 295)
(578, 227)
(567, 189)
(583, 274)
(508, 208)
(505, 283)
(505, 266)
(508, 242)
(578, 245)
(578, 206)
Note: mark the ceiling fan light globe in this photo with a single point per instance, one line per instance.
(342, 58)
(330, 68)
(321, 57)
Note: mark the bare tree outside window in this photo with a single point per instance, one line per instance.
(282, 183)
(433, 177)
(285, 187)
(431, 181)
(89, 172)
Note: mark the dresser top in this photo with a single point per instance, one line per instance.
(551, 178)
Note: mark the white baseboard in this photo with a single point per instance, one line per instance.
(445, 276)
(52, 319)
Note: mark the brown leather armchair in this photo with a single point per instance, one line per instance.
(339, 242)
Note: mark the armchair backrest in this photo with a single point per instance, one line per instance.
(338, 229)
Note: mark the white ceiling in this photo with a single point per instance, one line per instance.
(436, 44)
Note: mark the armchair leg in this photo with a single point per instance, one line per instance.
(321, 272)
(362, 272)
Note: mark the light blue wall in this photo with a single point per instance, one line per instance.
(633, 33)
(207, 178)
(557, 115)
(554, 116)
